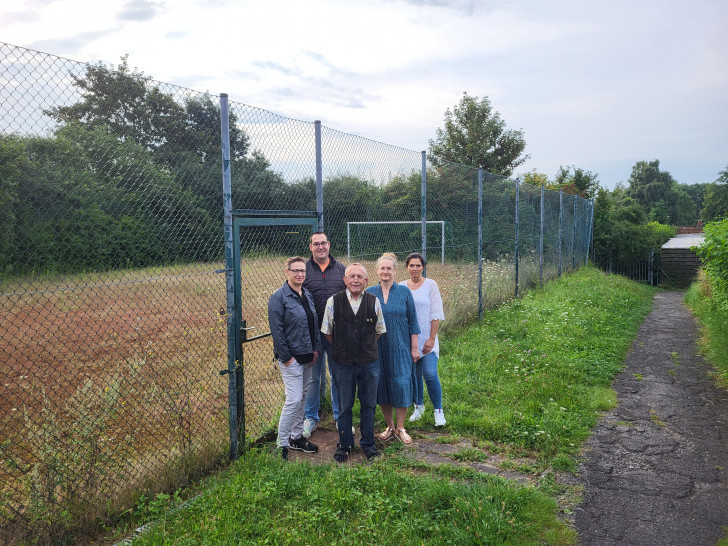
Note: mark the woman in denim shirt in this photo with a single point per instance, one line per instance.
(296, 343)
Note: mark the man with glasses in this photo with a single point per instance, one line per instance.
(352, 324)
(324, 278)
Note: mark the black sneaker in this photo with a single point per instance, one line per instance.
(302, 444)
(371, 454)
(342, 454)
(284, 453)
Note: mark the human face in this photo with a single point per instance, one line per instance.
(319, 246)
(386, 270)
(296, 274)
(356, 280)
(414, 268)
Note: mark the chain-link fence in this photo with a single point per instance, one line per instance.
(114, 278)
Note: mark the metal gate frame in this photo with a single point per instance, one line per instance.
(236, 380)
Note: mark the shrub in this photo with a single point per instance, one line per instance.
(714, 255)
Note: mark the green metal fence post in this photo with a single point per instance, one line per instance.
(229, 275)
(518, 183)
(424, 209)
(480, 243)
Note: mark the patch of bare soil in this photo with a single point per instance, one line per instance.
(425, 447)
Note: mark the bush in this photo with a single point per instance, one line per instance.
(714, 255)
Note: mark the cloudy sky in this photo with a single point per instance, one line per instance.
(597, 84)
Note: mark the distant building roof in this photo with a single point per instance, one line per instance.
(685, 241)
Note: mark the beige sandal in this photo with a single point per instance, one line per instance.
(403, 437)
(387, 435)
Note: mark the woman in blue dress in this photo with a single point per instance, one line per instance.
(398, 349)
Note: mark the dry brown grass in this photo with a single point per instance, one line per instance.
(110, 384)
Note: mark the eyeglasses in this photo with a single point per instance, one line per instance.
(298, 271)
(320, 243)
(356, 277)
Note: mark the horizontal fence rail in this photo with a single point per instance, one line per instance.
(116, 260)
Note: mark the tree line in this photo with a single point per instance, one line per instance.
(130, 176)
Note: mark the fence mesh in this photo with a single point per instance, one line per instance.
(112, 284)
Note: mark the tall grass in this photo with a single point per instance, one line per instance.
(713, 325)
(535, 372)
(529, 380)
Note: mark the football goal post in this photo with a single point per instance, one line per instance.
(440, 222)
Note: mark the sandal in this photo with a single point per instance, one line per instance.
(403, 437)
(387, 435)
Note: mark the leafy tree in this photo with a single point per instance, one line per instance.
(476, 135)
(575, 180)
(536, 178)
(715, 203)
(696, 193)
(126, 102)
(621, 230)
(13, 161)
(660, 196)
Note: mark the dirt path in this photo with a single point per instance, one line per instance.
(656, 467)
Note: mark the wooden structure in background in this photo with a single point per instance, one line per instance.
(678, 263)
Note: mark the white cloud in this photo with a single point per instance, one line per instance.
(604, 84)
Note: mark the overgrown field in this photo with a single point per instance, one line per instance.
(110, 383)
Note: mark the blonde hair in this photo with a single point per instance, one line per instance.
(388, 256)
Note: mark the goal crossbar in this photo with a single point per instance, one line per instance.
(442, 233)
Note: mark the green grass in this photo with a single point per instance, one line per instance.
(265, 501)
(529, 380)
(713, 327)
(536, 372)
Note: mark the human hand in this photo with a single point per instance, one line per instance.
(429, 344)
(315, 358)
(415, 354)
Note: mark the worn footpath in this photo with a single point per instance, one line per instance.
(655, 470)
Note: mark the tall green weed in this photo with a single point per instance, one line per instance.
(714, 254)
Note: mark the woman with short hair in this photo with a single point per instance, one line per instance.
(296, 345)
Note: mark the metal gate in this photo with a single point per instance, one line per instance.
(262, 240)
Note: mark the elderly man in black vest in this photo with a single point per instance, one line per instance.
(352, 323)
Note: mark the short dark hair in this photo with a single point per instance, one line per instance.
(415, 255)
(310, 241)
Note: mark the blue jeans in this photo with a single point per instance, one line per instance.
(427, 367)
(348, 379)
(316, 390)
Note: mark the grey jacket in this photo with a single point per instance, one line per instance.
(289, 325)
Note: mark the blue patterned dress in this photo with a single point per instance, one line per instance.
(397, 379)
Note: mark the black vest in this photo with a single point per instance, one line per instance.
(354, 336)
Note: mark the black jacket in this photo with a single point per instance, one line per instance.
(324, 284)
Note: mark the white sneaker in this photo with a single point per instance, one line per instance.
(439, 418)
(353, 430)
(418, 413)
(309, 425)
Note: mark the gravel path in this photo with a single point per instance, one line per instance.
(656, 467)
